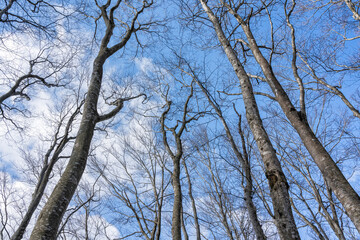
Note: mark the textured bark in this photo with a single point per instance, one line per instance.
(176, 218)
(284, 219)
(353, 9)
(331, 172)
(248, 194)
(183, 226)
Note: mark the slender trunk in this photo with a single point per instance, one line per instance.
(186, 235)
(248, 189)
(50, 217)
(33, 204)
(176, 218)
(250, 206)
(160, 204)
(175, 176)
(284, 219)
(334, 221)
(44, 175)
(193, 205)
(331, 172)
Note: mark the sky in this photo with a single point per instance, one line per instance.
(68, 56)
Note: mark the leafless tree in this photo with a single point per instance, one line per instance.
(242, 157)
(177, 131)
(61, 139)
(278, 184)
(53, 211)
(138, 183)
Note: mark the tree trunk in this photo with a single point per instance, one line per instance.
(50, 217)
(176, 218)
(44, 174)
(284, 219)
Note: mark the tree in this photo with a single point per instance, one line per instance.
(51, 215)
(331, 172)
(277, 180)
(37, 64)
(213, 129)
(140, 192)
(176, 157)
(241, 157)
(60, 140)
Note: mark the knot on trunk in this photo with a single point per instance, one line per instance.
(276, 178)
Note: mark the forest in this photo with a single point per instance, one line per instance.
(180, 119)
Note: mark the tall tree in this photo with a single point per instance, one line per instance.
(241, 157)
(284, 219)
(331, 172)
(176, 157)
(50, 217)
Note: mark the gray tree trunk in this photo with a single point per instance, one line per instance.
(284, 219)
(176, 218)
(44, 175)
(176, 157)
(50, 217)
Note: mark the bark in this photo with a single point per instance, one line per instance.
(50, 217)
(331, 172)
(284, 219)
(353, 9)
(248, 192)
(176, 218)
(183, 226)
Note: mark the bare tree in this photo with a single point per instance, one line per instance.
(278, 184)
(53, 211)
(38, 17)
(60, 140)
(176, 157)
(242, 157)
(331, 172)
(139, 182)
